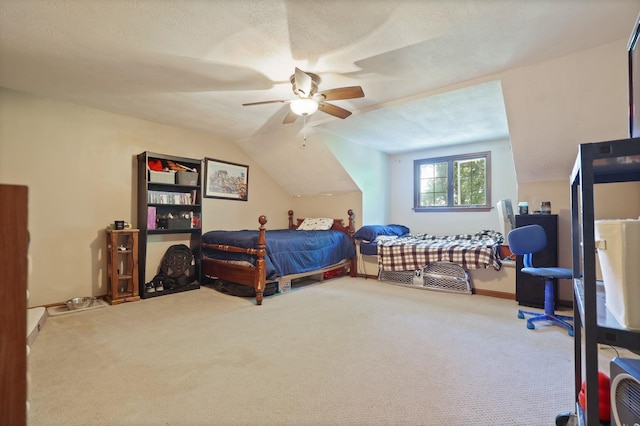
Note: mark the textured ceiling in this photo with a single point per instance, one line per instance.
(193, 63)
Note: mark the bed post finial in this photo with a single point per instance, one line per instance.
(291, 219)
(261, 251)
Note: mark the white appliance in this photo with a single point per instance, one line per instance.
(625, 391)
(618, 244)
(505, 214)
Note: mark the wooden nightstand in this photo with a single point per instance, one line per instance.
(122, 266)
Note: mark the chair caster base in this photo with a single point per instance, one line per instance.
(560, 320)
(566, 419)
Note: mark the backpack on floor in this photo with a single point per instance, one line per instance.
(178, 266)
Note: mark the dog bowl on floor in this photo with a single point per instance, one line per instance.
(80, 302)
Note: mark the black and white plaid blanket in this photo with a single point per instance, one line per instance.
(415, 251)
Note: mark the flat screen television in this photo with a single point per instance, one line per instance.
(633, 50)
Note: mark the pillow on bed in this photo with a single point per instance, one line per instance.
(371, 232)
(386, 238)
(316, 224)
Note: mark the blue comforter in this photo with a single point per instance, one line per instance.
(289, 251)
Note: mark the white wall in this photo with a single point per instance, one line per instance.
(369, 169)
(503, 185)
(333, 206)
(556, 105)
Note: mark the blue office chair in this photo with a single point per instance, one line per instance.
(525, 241)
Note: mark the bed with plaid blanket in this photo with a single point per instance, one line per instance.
(415, 251)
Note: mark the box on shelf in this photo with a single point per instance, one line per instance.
(618, 244)
(162, 177)
(187, 178)
(179, 223)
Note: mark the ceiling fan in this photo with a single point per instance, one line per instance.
(305, 85)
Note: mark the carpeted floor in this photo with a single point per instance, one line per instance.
(344, 352)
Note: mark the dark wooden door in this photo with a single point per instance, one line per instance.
(14, 240)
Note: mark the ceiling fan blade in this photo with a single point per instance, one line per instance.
(304, 83)
(336, 111)
(290, 118)
(265, 102)
(350, 92)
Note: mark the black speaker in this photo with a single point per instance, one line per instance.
(625, 391)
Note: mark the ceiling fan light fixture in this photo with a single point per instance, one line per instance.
(303, 106)
(309, 100)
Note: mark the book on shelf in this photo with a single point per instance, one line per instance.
(151, 218)
(167, 197)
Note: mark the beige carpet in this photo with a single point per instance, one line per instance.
(344, 352)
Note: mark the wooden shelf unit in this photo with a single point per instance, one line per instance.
(122, 266)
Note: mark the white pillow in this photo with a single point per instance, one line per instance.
(386, 238)
(316, 224)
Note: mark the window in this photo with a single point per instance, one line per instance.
(455, 183)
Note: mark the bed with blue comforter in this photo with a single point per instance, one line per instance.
(256, 257)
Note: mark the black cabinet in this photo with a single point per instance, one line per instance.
(530, 289)
(169, 203)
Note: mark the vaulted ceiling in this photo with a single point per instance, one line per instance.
(193, 63)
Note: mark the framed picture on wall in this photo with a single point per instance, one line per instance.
(226, 180)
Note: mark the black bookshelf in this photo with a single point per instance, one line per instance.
(161, 196)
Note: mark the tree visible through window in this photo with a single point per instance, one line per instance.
(460, 182)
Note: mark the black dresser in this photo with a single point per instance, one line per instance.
(530, 289)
